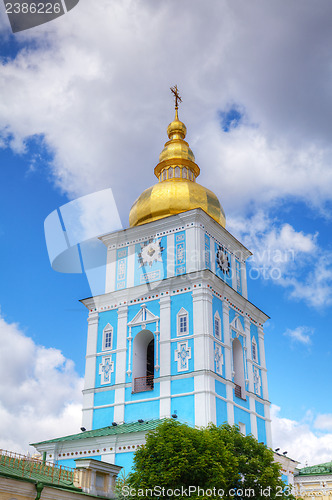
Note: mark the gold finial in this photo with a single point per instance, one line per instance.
(177, 97)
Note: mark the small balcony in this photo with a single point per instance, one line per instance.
(238, 391)
(142, 384)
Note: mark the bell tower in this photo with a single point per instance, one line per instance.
(174, 333)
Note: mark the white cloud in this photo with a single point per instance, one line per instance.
(40, 391)
(299, 440)
(301, 334)
(324, 422)
(286, 257)
(99, 97)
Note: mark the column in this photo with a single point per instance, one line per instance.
(120, 375)
(203, 356)
(110, 270)
(252, 405)
(228, 364)
(165, 356)
(90, 370)
(262, 362)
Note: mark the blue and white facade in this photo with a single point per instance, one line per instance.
(173, 334)
(165, 287)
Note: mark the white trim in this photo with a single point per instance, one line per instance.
(143, 317)
(237, 325)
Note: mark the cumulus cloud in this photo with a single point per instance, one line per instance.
(98, 96)
(301, 334)
(324, 422)
(298, 438)
(286, 257)
(40, 391)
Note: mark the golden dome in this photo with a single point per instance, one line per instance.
(177, 190)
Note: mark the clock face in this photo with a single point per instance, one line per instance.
(150, 253)
(222, 260)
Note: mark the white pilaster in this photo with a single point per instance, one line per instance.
(91, 349)
(131, 266)
(165, 336)
(205, 401)
(268, 426)
(244, 280)
(233, 267)
(228, 364)
(165, 399)
(170, 255)
(253, 419)
(192, 249)
(110, 270)
(120, 375)
(249, 360)
(262, 362)
(202, 312)
(119, 407)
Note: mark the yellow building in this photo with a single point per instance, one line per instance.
(26, 478)
(313, 482)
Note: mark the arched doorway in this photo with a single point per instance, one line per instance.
(143, 361)
(238, 368)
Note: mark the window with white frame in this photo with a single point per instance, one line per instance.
(107, 337)
(242, 428)
(254, 350)
(183, 326)
(217, 326)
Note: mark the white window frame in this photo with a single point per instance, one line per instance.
(242, 428)
(182, 314)
(217, 320)
(254, 350)
(108, 329)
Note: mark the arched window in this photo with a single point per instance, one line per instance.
(217, 326)
(164, 175)
(143, 361)
(254, 350)
(177, 172)
(170, 173)
(182, 322)
(238, 368)
(184, 173)
(107, 337)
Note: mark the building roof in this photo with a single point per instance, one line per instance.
(316, 469)
(107, 431)
(21, 467)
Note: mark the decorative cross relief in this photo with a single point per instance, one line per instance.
(219, 359)
(182, 356)
(257, 382)
(106, 367)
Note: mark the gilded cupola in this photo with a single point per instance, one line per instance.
(177, 190)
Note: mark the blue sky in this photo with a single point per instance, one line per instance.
(85, 104)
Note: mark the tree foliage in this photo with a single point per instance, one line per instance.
(177, 460)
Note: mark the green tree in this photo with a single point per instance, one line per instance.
(177, 460)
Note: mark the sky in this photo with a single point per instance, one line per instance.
(84, 105)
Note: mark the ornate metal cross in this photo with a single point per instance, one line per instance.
(176, 94)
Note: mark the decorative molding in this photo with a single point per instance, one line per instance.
(143, 317)
(182, 356)
(106, 368)
(219, 359)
